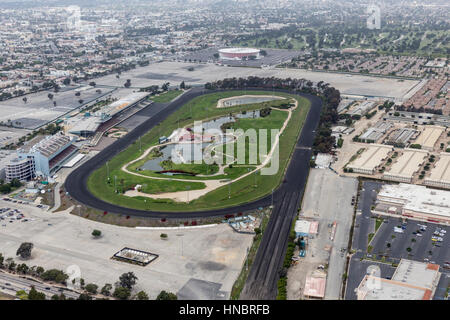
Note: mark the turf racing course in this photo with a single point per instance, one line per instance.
(76, 183)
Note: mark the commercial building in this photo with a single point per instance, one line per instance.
(412, 280)
(42, 158)
(415, 202)
(239, 53)
(370, 159)
(306, 228)
(406, 165)
(428, 138)
(440, 174)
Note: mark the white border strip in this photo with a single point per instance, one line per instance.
(177, 228)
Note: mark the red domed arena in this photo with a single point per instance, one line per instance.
(239, 53)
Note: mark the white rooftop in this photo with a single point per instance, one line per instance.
(418, 198)
(412, 280)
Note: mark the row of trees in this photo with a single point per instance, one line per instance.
(7, 187)
(123, 288)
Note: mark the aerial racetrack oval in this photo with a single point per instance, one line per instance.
(87, 183)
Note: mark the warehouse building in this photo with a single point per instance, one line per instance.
(412, 280)
(440, 174)
(370, 159)
(415, 202)
(406, 166)
(401, 137)
(363, 108)
(373, 134)
(428, 138)
(418, 118)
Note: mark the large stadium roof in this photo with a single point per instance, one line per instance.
(239, 50)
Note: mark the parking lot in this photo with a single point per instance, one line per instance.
(273, 57)
(10, 215)
(394, 240)
(212, 254)
(175, 72)
(40, 109)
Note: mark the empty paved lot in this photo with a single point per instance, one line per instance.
(213, 254)
(175, 72)
(327, 199)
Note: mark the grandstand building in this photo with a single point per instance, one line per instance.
(41, 159)
(89, 124)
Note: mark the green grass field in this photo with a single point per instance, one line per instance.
(247, 189)
(167, 96)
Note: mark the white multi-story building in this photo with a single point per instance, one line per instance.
(41, 159)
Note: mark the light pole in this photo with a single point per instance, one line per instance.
(181, 236)
(107, 170)
(272, 198)
(187, 188)
(246, 261)
(115, 189)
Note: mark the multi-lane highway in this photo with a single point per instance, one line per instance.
(12, 283)
(262, 280)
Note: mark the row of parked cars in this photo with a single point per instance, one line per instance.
(11, 215)
(22, 202)
(438, 235)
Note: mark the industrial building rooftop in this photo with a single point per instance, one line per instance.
(367, 162)
(428, 138)
(440, 174)
(406, 165)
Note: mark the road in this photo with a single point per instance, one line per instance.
(76, 182)
(12, 283)
(262, 280)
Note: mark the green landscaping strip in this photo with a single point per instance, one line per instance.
(167, 96)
